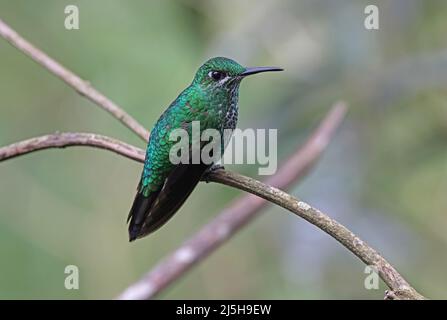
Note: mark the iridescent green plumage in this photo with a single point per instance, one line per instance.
(212, 100)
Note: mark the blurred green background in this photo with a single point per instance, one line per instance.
(384, 175)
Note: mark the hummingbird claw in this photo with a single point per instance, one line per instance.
(211, 169)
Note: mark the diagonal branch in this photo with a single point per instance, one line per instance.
(74, 81)
(400, 287)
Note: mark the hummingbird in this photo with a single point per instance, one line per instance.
(211, 99)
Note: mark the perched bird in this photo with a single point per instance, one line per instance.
(212, 99)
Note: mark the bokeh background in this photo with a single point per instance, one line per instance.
(384, 175)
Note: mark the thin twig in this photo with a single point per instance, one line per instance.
(361, 249)
(70, 139)
(74, 81)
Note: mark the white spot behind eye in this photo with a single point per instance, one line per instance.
(224, 80)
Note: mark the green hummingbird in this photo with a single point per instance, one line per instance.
(211, 99)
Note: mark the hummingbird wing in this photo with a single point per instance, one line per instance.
(150, 213)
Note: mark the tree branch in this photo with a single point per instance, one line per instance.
(361, 249)
(70, 139)
(81, 86)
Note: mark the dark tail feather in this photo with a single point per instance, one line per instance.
(176, 189)
(138, 212)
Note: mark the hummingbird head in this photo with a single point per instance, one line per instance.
(224, 74)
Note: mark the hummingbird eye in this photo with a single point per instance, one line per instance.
(217, 75)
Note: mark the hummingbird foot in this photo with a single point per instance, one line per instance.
(210, 170)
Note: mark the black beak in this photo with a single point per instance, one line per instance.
(254, 70)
